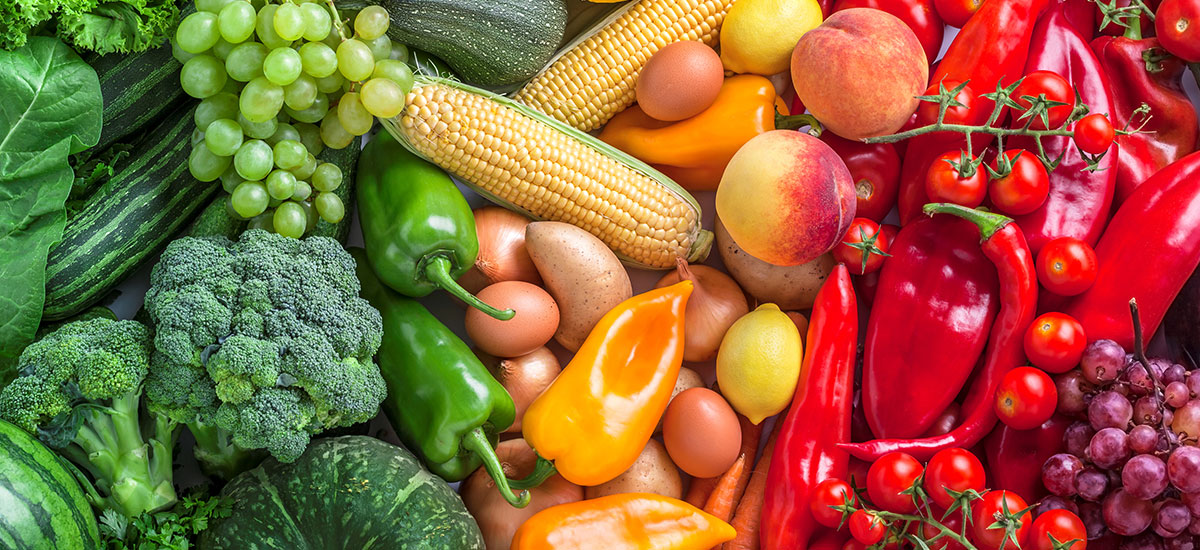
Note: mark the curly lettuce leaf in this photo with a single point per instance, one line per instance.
(122, 27)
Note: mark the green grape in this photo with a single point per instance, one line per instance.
(289, 154)
(334, 38)
(197, 137)
(354, 60)
(262, 221)
(332, 132)
(327, 177)
(197, 32)
(178, 53)
(330, 84)
(301, 94)
(281, 184)
(314, 113)
(355, 118)
(311, 214)
(230, 179)
(273, 202)
(289, 220)
(206, 166)
(330, 207)
(310, 136)
(202, 76)
(223, 137)
(317, 22)
(289, 21)
(250, 199)
(221, 49)
(381, 47)
(222, 105)
(254, 160)
(396, 71)
(245, 62)
(371, 22)
(261, 100)
(305, 170)
(283, 131)
(318, 59)
(303, 190)
(264, 26)
(282, 66)
(257, 130)
(399, 52)
(232, 87)
(382, 97)
(212, 6)
(236, 21)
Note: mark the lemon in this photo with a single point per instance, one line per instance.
(758, 36)
(758, 364)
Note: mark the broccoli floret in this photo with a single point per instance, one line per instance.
(79, 390)
(260, 343)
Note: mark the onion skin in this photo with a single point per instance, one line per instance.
(498, 521)
(716, 303)
(502, 255)
(524, 377)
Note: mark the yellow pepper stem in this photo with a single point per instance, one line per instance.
(477, 442)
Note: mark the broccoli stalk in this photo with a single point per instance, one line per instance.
(218, 456)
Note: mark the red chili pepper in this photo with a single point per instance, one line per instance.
(875, 169)
(1148, 251)
(806, 452)
(919, 15)
(1015, 457)
(1142, 72)
(1079, 201)
(1081, 14)
(990, 48)
(935, 301)
(1004, 245)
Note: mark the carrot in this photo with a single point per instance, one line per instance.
(751, 434)
(700, 490)
(748, 517)
(724, 497)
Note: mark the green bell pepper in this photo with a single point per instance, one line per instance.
(418, 229)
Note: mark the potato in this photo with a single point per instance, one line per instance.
(687, 379)
(583, 276)
(653, 472)
(790, 287)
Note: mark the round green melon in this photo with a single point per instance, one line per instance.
(41, 504)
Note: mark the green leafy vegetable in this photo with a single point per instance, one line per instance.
(101, 26)
(173, 530)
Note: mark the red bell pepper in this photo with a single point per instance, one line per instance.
(1148, 252)
(919, 15)
(1081, 14)
(1015, 457)
(806, 452)
(1004, 245)
(935, 301)
(875, 169)
(1079, 201)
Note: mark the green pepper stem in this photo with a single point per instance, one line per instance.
(477, 442)
(541, 472)
(437, 271)
(988, 222)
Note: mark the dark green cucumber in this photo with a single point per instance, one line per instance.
(138, 89)
(345, 158)
(43, 506)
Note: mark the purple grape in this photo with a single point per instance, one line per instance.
(1194, 526)
(1093, 520)
(1172, 518)
(1186, 421)
(1174, 373)
(1109, 409)
(1192, 501)
(1073, 391)
(1192, 380)
(1101, 361)
(1181, 542)
(1168, 416)
(1140, 382)
(1109, 448)
(1091, 484)
(1077, 437)
(1058, 474)
(1146, 410)
(1143, 439)
(1145, 541)
(1126, 514)
(1176, 394)
(1183, 469)
(1144, 476)
(1055, 502)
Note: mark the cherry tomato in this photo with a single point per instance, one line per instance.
(1025, 398)
(955, 469)
(1061, 524)
(853, 544)
(1055, 88)
(1177, 23)
(891, 474)
(1025, 188)
(866, 527)
(953, 522)
(943, 183)
(1054, 342)
(875, 169)
(1115, 29)
(829, 493)
(1067, 266)
(956, 12)
(991, 509)
(927, 112)
(863, 247)
(1094, 134)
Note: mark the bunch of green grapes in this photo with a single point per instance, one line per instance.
(279, 82)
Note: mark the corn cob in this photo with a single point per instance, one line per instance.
(528, 162)
(593, 79)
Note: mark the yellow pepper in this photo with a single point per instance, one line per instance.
(596, 417)
(627, 521)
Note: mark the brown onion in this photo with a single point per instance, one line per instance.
(502, 255)
(717, 301)
(525, 377)
(497, 519)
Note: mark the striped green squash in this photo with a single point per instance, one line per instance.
(345, 158)
(137, 90)
(41, 504)
(350, 492)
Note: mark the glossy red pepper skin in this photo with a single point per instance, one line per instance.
(919, 15)
(1151, 247)
(875, 169)
(1172, 130)
(936, 299)
(807, 452)
(1004, 245)
(1015, 457)
(1081, 14)
(990, 48)
(1080, 200)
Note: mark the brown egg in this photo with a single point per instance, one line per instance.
(533, 325)
(701, 432)
(679, 81)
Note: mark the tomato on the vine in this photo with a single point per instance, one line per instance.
(952, 522)
(1024, 188)
(1025, 398)
(826, 495)
(1067, 266)
(866, 527)
(1055, 88)
(999, 507)
(956, 12)
(1054, 342)
(889, 476)
(944, 184)
(1177, 23)
(927, 112)
(955, 469)
(1094, 134)
(1061, 524)
(863, 248)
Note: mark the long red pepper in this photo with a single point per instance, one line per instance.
(1015, 457)
(1148, 252)
(919, 15)
(806, 452)
(1003, 244)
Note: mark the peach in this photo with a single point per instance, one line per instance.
(859, 72)
(786, 197)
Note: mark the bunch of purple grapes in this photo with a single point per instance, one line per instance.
(1131, 466)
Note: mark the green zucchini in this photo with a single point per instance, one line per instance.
(345, 158)
(137, 90)
(43, 506)
(215, 220)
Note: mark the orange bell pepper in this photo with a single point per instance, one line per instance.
(596, 417)
(627, 521)
(694, 151)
